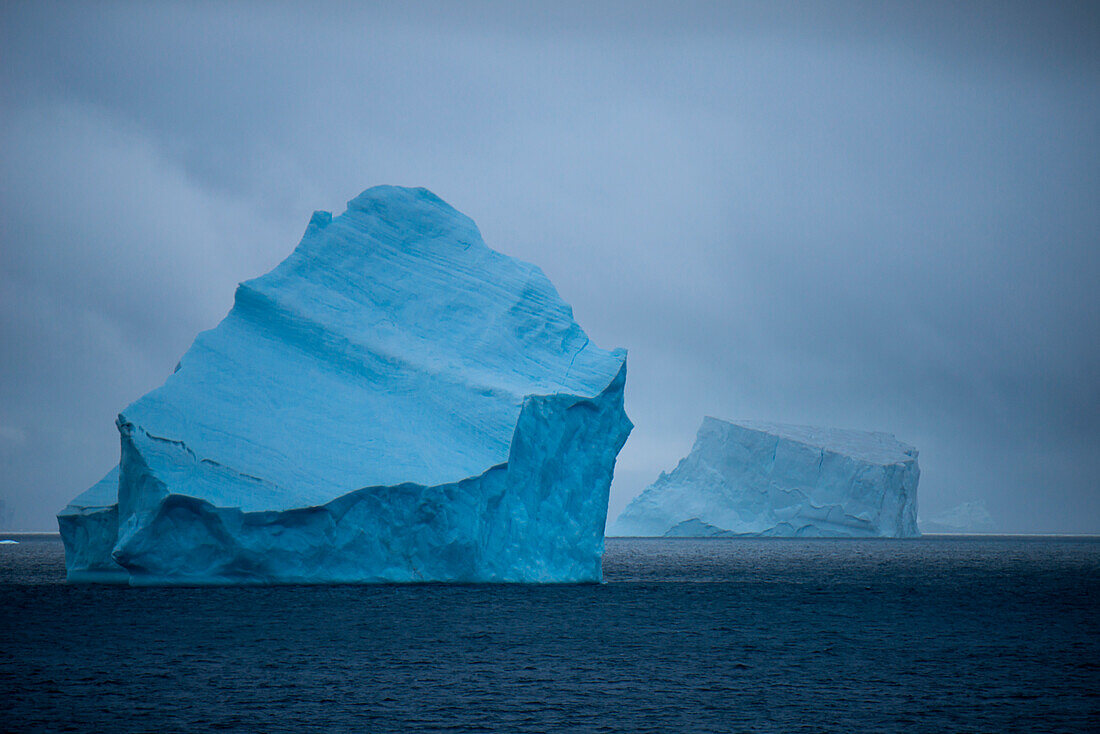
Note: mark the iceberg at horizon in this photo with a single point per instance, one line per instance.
(769, 479)
(395, 401)
(968, 517)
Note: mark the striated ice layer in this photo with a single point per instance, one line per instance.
(394, 402)
(746, 478)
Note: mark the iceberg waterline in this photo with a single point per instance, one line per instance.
(768, 479)
(393, 402)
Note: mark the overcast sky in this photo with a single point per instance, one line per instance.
(871, 216)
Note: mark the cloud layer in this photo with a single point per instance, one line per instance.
(860, 215)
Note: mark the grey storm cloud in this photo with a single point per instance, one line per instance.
(866, 215)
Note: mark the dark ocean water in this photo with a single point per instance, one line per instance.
(938, 634)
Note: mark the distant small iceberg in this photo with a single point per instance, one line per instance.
(969, 517)
(767, 479)
(9, 542)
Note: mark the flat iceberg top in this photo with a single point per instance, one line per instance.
(392, 346)
(771, 479)
(870, 446)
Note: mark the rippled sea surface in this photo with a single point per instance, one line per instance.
(937, 634)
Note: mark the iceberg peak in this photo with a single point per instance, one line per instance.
(395, 401)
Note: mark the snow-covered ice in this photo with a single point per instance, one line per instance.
(748, 478)
(393, 402)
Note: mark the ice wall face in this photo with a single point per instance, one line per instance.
(768, 479)
(89, 528)
(393, 402)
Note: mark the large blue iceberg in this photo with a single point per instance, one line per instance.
(768, 479)
(395, 402)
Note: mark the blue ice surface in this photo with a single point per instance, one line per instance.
(769, 479)
(395, 401)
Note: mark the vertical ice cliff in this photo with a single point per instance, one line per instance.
(89, 529)
(394, 402)
(768, 479)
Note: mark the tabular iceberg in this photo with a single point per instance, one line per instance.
(393, 402)
(767, 479)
